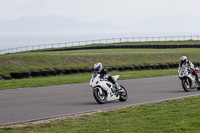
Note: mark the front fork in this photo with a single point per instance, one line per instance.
(188, 81)
(100, 90)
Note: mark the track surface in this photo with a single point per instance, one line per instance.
(29, 104)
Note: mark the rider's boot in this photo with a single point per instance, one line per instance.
(197, 77)
(118, 88)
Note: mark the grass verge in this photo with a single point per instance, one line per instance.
(79, 78)
(21, 62)
(171, 116)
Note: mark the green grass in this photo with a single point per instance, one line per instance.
(165, 117)
(78, 78)
(58, 60)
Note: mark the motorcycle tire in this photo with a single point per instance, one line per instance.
(186, 84)
(123, 97)
(100, 98)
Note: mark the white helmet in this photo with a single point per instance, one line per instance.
(98, 67)
(183, 59)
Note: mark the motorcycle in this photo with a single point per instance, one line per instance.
(104, 91)
(188, 80)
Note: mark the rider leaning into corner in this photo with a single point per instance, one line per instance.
(186, 63)
(98, 68)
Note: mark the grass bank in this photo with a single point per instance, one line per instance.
(79, 78)
(170, 116)
(58, 60)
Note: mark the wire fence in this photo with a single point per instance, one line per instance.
(99, 41)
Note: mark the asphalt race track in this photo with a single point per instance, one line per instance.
(30, 104)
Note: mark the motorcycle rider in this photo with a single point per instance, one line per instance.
(98, 68)
(186, 63)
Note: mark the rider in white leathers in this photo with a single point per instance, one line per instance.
(98, 68)
(186, 63)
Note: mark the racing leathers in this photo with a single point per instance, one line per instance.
(104, 74)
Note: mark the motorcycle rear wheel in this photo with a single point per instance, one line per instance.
(100, 98)
(186, 84)
(123, 97)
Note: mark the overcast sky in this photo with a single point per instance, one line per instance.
(116, 12)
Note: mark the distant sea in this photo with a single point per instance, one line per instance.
(13, 40)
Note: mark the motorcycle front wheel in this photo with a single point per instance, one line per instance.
(100, 98)
(123, 97)
(186, 84)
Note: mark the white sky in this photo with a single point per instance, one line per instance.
(116, 12)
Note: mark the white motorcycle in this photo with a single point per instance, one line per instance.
(189, 81)
(104, 91)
